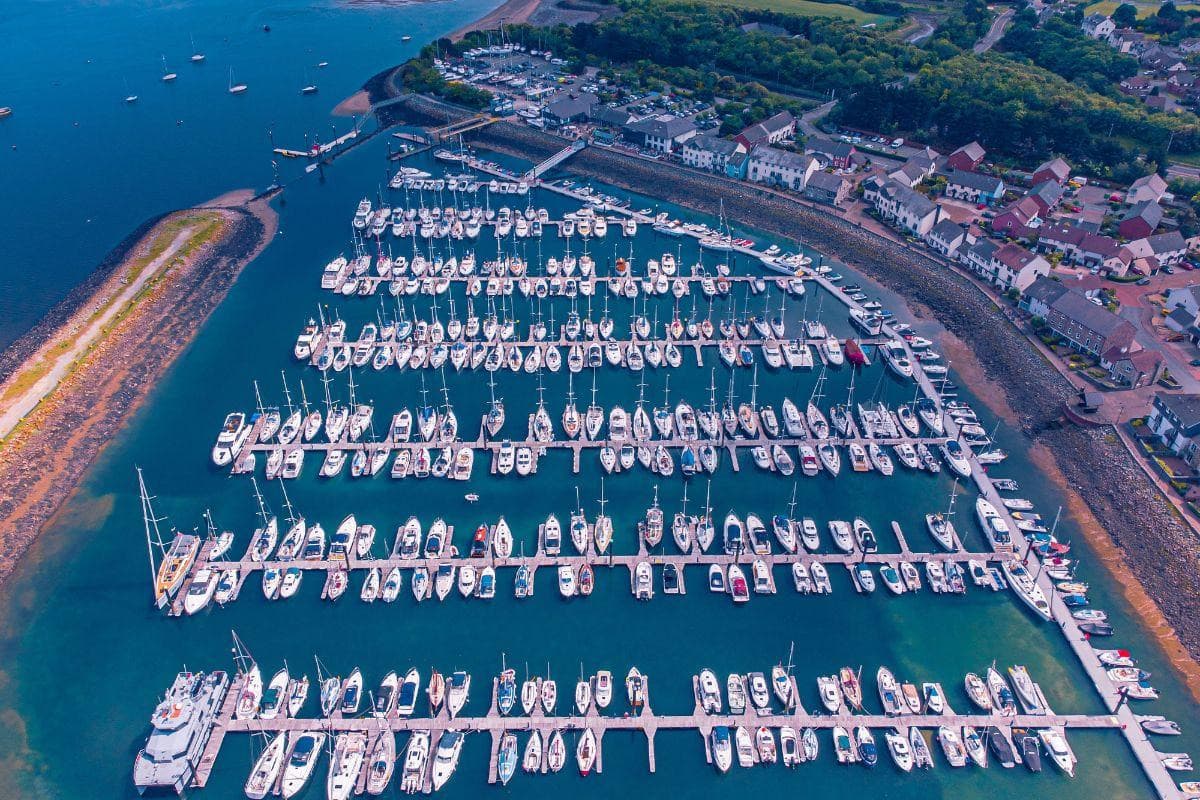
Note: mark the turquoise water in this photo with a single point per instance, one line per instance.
(81, 168)
(85, 656)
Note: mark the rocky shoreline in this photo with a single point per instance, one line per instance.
(1158, 547)
(42, 465)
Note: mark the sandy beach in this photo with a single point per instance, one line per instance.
(511, 11)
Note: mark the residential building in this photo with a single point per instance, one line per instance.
(1139, 368)
(1056, 169)
(831, 153)
(909, 174)
(1127, 40)
(1098, 26)
(1038, 296)
(1137, 85)
(1151, 187)
(1140, 220)
(1185, 297)
(1175, 419)
(1164, 248)
(974, 187)
(1005, 265)
(1019, 218)
(946, 237)
(736, 165)
(662, 134)
(1088, 327)
(967, 157)
(705, 151)
(902, 206)
(776, 167)
(1047, 194)
(772, 130)
(825, 187)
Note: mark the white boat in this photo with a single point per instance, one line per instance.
(267, 768)
(304, 751)
(349, 752)
(445, 761)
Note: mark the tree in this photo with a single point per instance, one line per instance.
(1125, 16)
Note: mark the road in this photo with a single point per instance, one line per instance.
(809, 119)
(994, 33)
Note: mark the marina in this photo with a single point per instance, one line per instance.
(1013, 537)
(242, 711)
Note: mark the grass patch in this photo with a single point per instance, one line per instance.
(809, 8)
(1107, 7)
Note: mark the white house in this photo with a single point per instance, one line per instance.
(903, 206)
(709, 152)
(1098, 26)
(780, 168)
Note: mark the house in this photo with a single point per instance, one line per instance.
(1189, 46)
(1018, 218)
(908, 174)
(903, 207)
(1038, 296)
(1098, 26)
(1150, 187)
(1062, 237)
(1180, 320)
(1140, 220)
(565, 109)
(1137, 85)
(836, 154)
(608, 117)
(662, 134)
(1047, 194)
(1182, 84)
(1006, 266)
(1127, 40)
(825, 187)
(1161, 60)
(1185, 297)
(1162, 102)
(772, 130)
(1164, 248)
(776, 167)
(1055, 169)
(946, 237)
(736, 164)
(967, 157)
(1175, 419)
(1087, 327)
(1104, 252)
(709, 152)
(974, 187)
(1139, 368)
(1018, 267)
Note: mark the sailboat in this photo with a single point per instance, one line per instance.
(197, 56)
(236, 88)
(130, 97)
(168, 76)
(308, 88)
(174, 563)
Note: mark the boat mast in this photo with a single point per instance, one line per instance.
(258, 399)
(262, 508)
(291, 515)
(152, 539)
(241, 655)
(287, 396)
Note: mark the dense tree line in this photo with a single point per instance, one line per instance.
(1022, 111)
(1065, 50)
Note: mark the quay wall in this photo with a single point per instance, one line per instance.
(1152, 540)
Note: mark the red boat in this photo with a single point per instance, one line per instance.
(854, 353)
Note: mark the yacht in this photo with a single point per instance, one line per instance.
(181, 726)
(446, 759)
(349, 753)
(304, 752)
